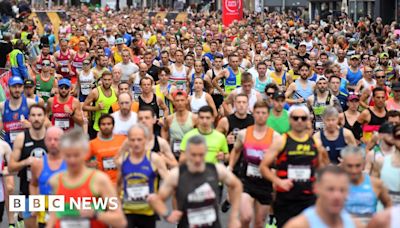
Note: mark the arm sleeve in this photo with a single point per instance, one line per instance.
(21, 66)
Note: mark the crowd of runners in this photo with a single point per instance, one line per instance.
(299, 122)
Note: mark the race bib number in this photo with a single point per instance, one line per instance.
(13, 135)
(138, 192)
(319, 125)
(44, 94)
(201, 216)
(64, 69)
(253, 171)
(176, 146)
(161, 113)
(395, 196)
(28, 174)
(61, 123)
(108, 163)
(85, 90)
(297, 172)
(75, 223)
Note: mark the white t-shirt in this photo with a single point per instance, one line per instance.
(121, 127)
(127, 70)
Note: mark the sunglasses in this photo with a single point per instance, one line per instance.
(64, 87)
(270, 94)
(86, 63)
(380, 77)
(297, 118)
(369, 71)
(46, 64)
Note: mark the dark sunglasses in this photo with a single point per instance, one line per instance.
(379, 77)
(270, 94)
(47, 64)
(64, 87)
(86, 63)
(369, 71)
(297, 118)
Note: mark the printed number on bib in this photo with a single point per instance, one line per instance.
(297, 172)
(64, 69)
(319, 125)
(138, 192)
(61, 123)
(176, 146)
(13, 135)
(253, 171)
(395, 196)
(108, 163)
(74, 223)
(201, 216)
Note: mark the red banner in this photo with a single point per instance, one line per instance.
(231, 10)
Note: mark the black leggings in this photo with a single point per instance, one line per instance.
(285, 210)
(141, 221)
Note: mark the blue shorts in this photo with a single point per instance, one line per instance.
(82, 97)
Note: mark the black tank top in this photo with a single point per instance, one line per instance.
(197, 197)
(334, 147)
(153, 104)
(352, 128)
(376, 120)
(236, 124)
(31, 147)
(156, 147)
(297, 161)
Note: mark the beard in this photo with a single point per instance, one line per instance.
(322, 90)
(37, 125)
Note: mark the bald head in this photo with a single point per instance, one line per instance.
(125, 103)
(52, 138)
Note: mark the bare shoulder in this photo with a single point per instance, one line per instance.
(299, 221)
(380, 219)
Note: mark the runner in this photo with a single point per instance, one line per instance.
(138, 171)
(65, 109)
(262, 80)
(231, 76)
(175, 126)
(195, 184)
(164, 89)
(299, 91)
(200, 98)
(297, 157)
(331, 186)
(64, 59)
(124, 117)
(135, 79)
(353, 73)
(373, 117)
(28, 146)
(46, 85)
(254, 141)
(393, 103)
(79, 181)
(333, 137)
(318, 102)
(278, 118)
(6, 183)
(364, 191)
(199, 73)
(179, 71)
(78, 59)
(43, 169)
(351, 115)
(278, 76)
(15, 111)
(366, 99)
(212, 73)
(128, 68)
(44, 55)
(386, 218)
(103, 97)
(148, 98)
(29, 92)
(86, 81)
(104, 148)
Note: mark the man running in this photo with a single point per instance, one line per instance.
(79, 181)
(138, 171)
(103, 96)
(278, 118)
(29, 92)
(46, 84)
(297, 156)
(231, 76)
(371, 118)
(65, 110)
(195, 187)
(299, 91)
(124, 117)
(43, 169)
(104, 148)
(253, 142)
(333, 137)
(331, 186)
(365, 191)
(175, 126)
(15, 111)
(28, 146)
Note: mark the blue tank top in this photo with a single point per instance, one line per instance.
(315, 221)
(334, 147)
(139, 180)
(11, 120)
(192, 83)
(231, 80)
(304, 93)
(47, 173)
(362, 200)
(352, 77)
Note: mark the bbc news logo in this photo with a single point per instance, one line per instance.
(56, 203)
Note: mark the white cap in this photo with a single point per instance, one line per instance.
(303, 43)
(299, 107)
(322, 77)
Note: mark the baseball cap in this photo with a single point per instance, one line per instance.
(352, 97)
(29, 83)
(15, 81)
(298, 107)
(321, 78)
(386, 128)
(278, 95)
(119, 41)
(319, 63)
(396, 86)
(64, 81)
(383, 54)
(355, 57)
(302, 44)
(179, 92)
